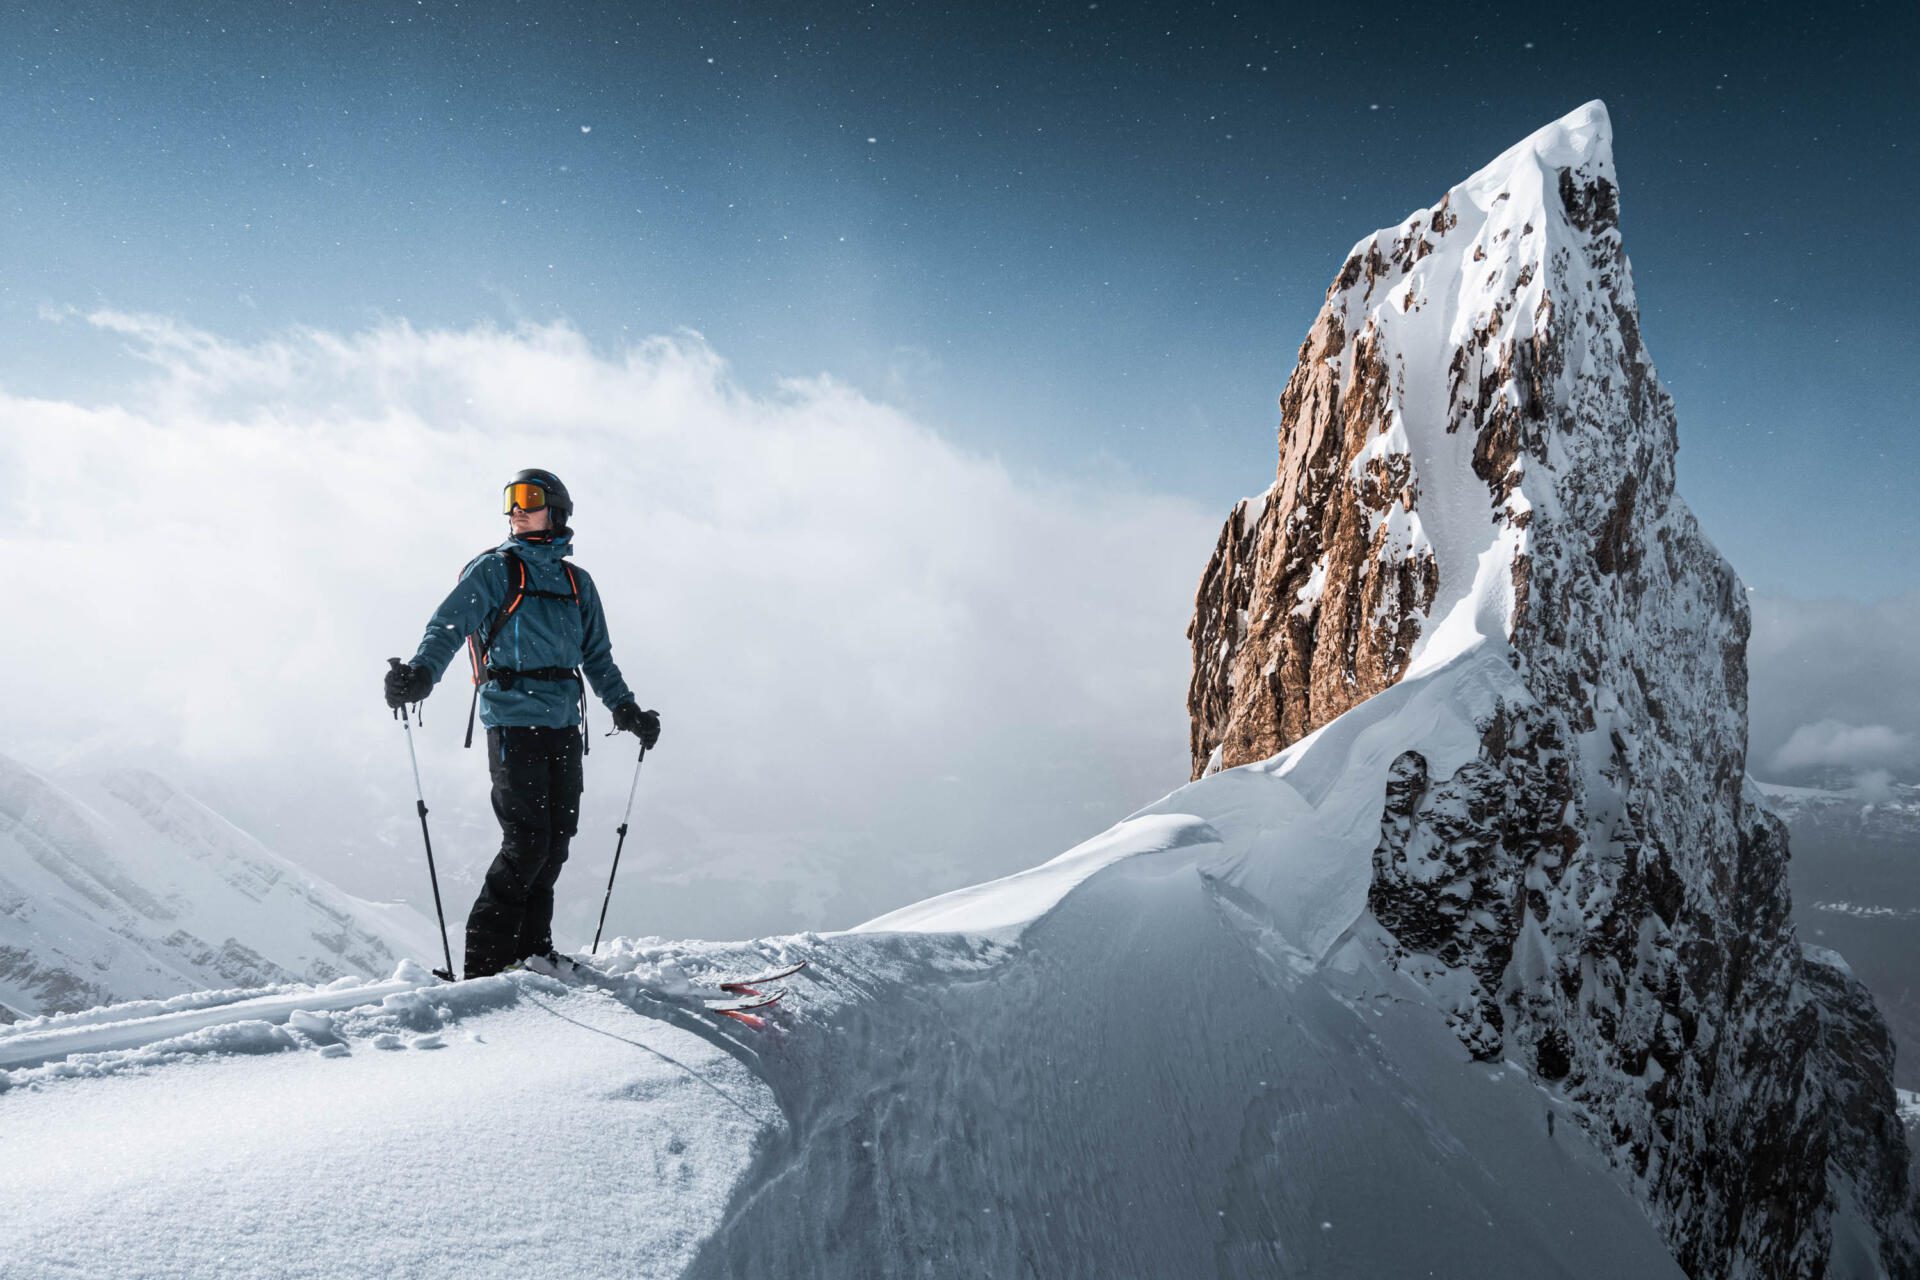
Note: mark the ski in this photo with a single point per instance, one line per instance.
(740, 1010)
(737, 1003)
(746, 986)
(556, 966)
(758, 1000)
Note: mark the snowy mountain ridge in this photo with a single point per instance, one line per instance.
(1889, 811)
(118, 886)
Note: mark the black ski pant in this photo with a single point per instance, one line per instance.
(536, 795)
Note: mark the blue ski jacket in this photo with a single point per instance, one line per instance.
(542, 632)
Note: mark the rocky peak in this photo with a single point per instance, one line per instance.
(1414, 448)
(1475, 454)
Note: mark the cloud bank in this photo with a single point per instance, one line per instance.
(1832, 688)
(1847, 746)
(885, 665)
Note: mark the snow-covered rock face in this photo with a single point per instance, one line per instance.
(1476, 454)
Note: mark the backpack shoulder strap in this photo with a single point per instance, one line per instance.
(516, 592)
(477, 648)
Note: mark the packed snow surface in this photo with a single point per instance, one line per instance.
(510, 1126)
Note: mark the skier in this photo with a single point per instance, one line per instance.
(533, 624)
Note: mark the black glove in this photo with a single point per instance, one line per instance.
(407, 683)
(629, 718)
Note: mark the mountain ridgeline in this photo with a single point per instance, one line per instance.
(119, 886)
(1475, 451)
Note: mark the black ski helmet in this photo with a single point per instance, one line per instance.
(558, 500)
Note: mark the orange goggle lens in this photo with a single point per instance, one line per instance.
(527, 497)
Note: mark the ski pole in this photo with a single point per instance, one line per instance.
(619, 845)
(420, 800)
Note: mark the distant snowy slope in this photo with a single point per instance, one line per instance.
(117, 886)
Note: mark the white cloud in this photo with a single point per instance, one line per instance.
(1831, 683)
(884, 664)
(1846, 746)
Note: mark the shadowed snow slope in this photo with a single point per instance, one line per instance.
(1152, 1085)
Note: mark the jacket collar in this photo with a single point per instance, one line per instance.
(540, 552)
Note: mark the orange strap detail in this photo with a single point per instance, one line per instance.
(520, 590)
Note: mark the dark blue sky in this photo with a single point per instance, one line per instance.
(1085, 237)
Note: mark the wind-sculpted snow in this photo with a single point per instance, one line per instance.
(1005, 907)
(1149, 1085)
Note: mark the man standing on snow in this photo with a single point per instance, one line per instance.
(533, 624)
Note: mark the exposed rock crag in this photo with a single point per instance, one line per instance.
(1475, 450)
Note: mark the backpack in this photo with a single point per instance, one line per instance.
(480, 651)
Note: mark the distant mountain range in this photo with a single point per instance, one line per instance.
(117, 886)
(1855, 874)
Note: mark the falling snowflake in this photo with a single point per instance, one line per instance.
(586, 128)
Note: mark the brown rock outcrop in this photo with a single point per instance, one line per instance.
(1293, 625)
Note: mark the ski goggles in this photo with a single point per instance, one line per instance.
(527, 497)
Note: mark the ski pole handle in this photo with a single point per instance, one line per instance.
(633, 786)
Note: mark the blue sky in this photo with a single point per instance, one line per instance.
(1086, 238)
